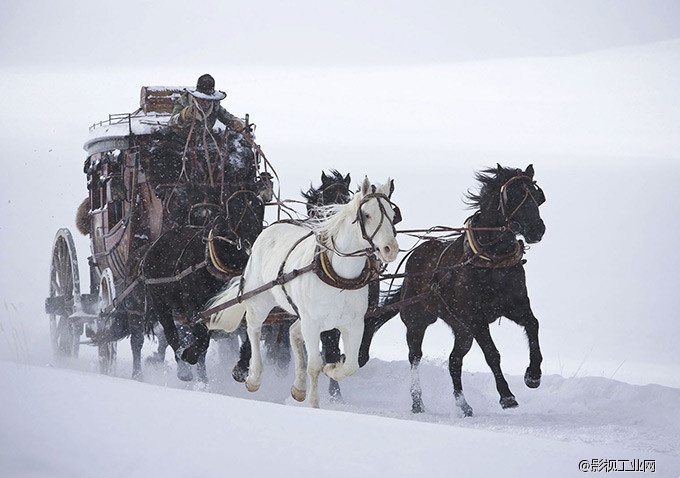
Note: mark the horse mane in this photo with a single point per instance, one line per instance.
(314, 195)
(491, 180)
(327, 220)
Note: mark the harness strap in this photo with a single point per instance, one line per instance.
(287, 277)
(324, 271)
(281, 274)
(177, 277)
(215, 261)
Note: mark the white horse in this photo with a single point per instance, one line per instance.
(349, 235)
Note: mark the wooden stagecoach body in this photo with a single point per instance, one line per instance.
(126, 214)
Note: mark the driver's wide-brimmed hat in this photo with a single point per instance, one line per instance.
(205, 89)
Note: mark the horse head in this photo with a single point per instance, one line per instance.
(377, 215)
(512, 198)
(237, 227)
(334, 189)
(520, 199)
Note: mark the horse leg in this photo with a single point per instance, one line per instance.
(201, 344)
(373, 322)
(462, 343)
(299, 388)
(532, 376)
(162, 347)
(184, 372)
(312, 336)
(416, 320)
(201, 370)
(159, 355)
(376, 320)
(415, 333)
(493, 359)
(351, 338)
(171, 334)
(240, 370)
(136, 343)
(255, 317)
(278, 344)
(330, 348)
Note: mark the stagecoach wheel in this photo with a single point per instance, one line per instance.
(64, 298)
(107, 350)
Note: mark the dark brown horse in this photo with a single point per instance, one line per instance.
(472, 281)
(189, 264)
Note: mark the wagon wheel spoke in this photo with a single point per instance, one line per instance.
(63, 296)
(108, 350)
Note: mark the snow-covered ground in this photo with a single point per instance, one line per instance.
(71, 423)
(603, 132)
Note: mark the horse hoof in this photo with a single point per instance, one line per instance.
(532, 382)
(190, 356)
(239, 374)
(328, 369)
(250, 387)
(509, 402)
(298, 395)
(184, 372)
(334, 392)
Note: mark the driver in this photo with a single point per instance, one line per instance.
(202, 105)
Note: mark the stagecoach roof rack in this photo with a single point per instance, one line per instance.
(155, 106)
(118, 128)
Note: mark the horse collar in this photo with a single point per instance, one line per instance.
(478, 258)
(217, 267)
(324, 271)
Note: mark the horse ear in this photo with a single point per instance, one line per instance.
(365, 186)
(499, 168)
(347, 180)
(324, 178)
(391, 183)
(529, 171)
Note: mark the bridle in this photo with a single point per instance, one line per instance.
(383, 214)
(481, 258)
(537, 196)
(369, 251)
(233, 224)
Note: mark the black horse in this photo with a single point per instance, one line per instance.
(334, 189)
(472, 281)
(189, 264)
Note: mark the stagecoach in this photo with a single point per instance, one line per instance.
(143, 180)
(171, 217)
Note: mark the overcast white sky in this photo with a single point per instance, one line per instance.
(312, 32)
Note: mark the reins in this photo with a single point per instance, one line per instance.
(321, 265)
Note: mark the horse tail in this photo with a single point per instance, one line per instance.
(227, 319)
(376, 319)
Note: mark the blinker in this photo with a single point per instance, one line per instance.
(397, 214)
(538, 195)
